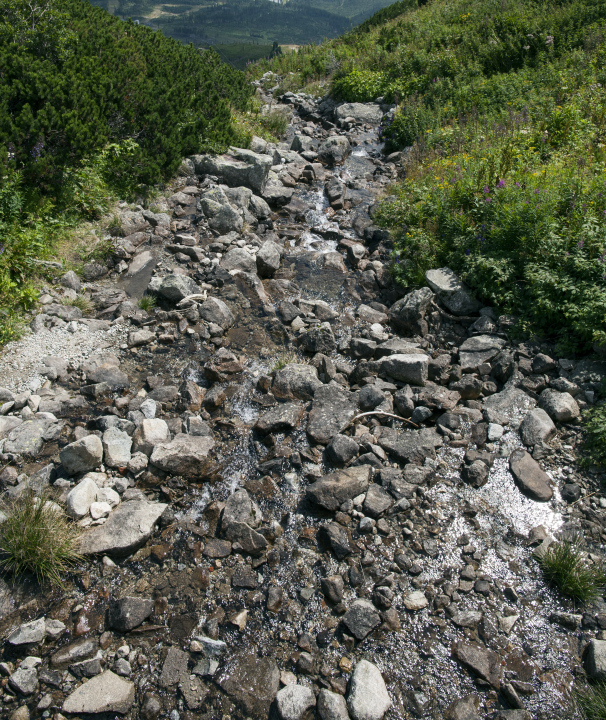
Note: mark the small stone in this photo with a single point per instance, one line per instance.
(129, 612)
(415, 601)
(31, 632)
(361, 618)
(295, 702)
(24, 680)
(104, 693)
(368, 698)
(595, 660)
(529, 476)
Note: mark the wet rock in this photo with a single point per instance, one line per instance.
(105, 369)
(252, 682)
(529, 477)
(215, 397)
(116, 447)
(246, 538)
(238, 259)
(333, 408)
(128, 527)
(80, 650)
(337, 538)
(510, 403)
(83, 455)
(281, 418)
(415, 601)
(469, 387)
(561, 407)
(595, 660)
(27, 633)
(214, 310)
(104, 693)
(408, 314)
(20, 713)
(174, 668)
(275, 598)
(80, 498)
(177, 287)
(342, 448)
(244, 577)
(361, 618)
(151, 432)
(129, 612)
(571, 492)
(484, 663)
(185, 455)
(465, 708)
(367, 698)
(331, 491)
(319, 340)
(411, 369)
(333, 588)
(331, 706)
(86, 668)
(454, 294)
(475, 474)
(377, 501)
(268, 259)
(139, 338)
(239, 508)
(296, 381)
(537, 427)
(334, 150)
(295, 702)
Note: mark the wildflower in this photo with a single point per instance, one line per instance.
(501, 184)
(537, 191)
(488, 200)
(518, 185)
(11, 151)
(486, 189)
(468, 251)
(580, 244)
(549, 40)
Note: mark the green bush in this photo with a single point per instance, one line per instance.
(594, 446)
(37, 537)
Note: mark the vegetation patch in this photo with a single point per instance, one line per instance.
(591, 701)
(37, 537)
(565, 566)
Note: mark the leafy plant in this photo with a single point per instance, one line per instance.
(591, 701)
(564, 565)
(147, 303)
(594, 446)
(36, 537)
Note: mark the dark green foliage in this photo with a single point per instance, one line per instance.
(563, 565)
(591, 701)
(98, 81)
(594, 447)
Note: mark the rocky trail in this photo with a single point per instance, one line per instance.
(303, 492)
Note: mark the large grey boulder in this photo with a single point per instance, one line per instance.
(407, 315)
(80, 498)
(151, 432)
(221, 214)
(239, 167)
(453, 293)
(529, 477)
(595, 660)
(177, 287)
(333, 408)
(295, 702)
(216, 311)
(185, 455)
(369, 113)
(331, 706)
(411, 369)
(268, 259)
(82, 455)
(331, 491)
(334, 150)
(238, 259)
(116, 447)
(128, 527)
(477, 350)
(104, 693)
(29, 633)
(240, 508)
(28, 437)
(367, 698)
(537, 427)
(296, 380)
(560, 406)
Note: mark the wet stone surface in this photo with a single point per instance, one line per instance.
(302, 492)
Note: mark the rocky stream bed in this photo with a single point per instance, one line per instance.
(303, 492)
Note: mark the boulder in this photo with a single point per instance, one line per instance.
(296, 380)
(221, 214)
(407, 315)
(331, 706)
(319, 339)
(80, 498)
(334, 150)
(251, 682)
(28, 438)
(129, 612)
(282, 418)
(361, 618)
(128, 527)
(367, 698)
(332, 409)
(411, 369)
(369, 113)
(268, 259)
(560, 406)
(116, 447)
(104, 693)
(511, 403)
(595, 659)
(177, 287)
(342, 448)
(216, 311)
(295, 702)
(477, 350)
(484, 663)
(239, 508)
(185, 455)
(238, 259)
(82, 455)
(529, 477)
(239, 167)
(537, 427)
(29, 633)
(331, 491)
(151, 432)
(338, 539)
(454, 294)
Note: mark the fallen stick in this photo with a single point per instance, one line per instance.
(379, 412)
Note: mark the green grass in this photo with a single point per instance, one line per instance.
(82, 303)
(286, 358)
(591, 701)
(36, 537)
(147, 303)
(565, 567)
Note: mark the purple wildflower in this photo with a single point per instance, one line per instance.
(501, 184)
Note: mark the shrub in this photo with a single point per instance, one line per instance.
(563, 565)
(36, 537)
(594, 446)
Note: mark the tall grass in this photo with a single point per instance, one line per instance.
(565, 567)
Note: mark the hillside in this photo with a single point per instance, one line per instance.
(501, 109)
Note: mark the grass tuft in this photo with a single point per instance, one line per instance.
(283, 360)
(147, 303)
(564, 565)
(82, 303)
(591, 701)
(36, 537)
